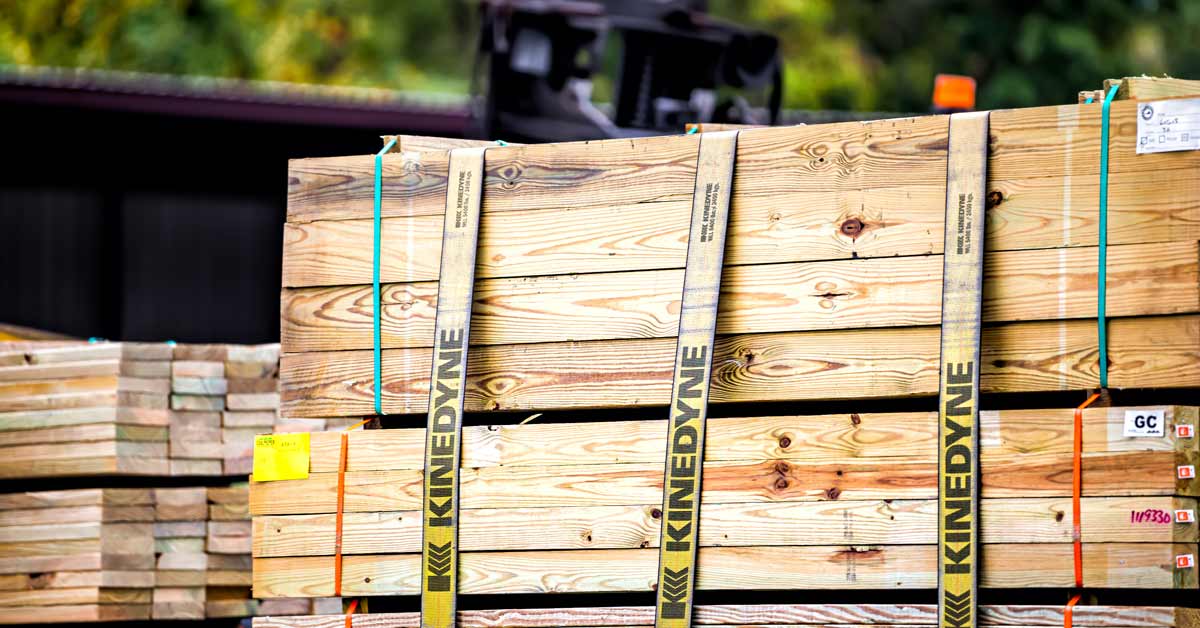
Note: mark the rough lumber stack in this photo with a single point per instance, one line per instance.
(79, 555)
(833, 270)
(847, 501)
(769, 615)
(112, 396)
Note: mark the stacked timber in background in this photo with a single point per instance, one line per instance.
(147, 409)
(91, 411)
(847, 501)
(181, 516)
(112, 396)
(77, 555)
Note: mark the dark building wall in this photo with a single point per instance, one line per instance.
(147, 226)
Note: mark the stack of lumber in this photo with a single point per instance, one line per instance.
(251, 403)
(149, 409)
(78, 555)
(881, 615)
(179, 541)
(84, 409)
(222, 395)
(833, 267)
(848, 501)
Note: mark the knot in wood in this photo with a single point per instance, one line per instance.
(833, 493)
(782, 467)
(781, 484)
(994, 198)
(852, 227)
(655, 513)
(855, 419)
(785, 442)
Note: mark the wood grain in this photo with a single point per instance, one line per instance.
(766, 615)
(1034, 356)
(829, 437)
(1144, 279)
(1116, 565)
(1026, 475)
(892, 522)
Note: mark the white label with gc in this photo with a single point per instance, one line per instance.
(1145, 423)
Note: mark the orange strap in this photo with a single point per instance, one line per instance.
(337, 539)
(353, 603)
(1076, 509)
(341, 500)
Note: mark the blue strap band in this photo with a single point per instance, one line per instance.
(1102, 264)
(375, 276)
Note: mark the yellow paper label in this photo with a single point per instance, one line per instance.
(281, 457)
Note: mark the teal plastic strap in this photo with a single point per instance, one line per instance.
(375, 276)
(1102, 265)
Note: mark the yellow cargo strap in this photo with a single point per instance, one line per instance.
(958, 390)
(447, 380)
(693, 372)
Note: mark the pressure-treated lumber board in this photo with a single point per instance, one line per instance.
(766, 615)
(90, 595)
(1105, 565)
(808, 437)
(73, 613)
(1145, 279)
(1144, 352)
(894, 522)
(1024, 475)
(44, 419)
(77, 579)
(77, 514)
(120, 463)
(78, 434)
(46, 353)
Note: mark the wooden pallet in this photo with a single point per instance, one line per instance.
(833, 269)
(849, 501)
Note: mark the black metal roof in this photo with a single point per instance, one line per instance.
(233, 99)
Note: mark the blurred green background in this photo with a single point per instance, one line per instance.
(848, 54)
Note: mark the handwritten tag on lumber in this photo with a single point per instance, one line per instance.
(1168, 125)
(281, 457)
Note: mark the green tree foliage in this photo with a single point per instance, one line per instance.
(840, 54)
(407, 44)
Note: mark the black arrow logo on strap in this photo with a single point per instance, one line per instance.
(439, 559)
(956, 609)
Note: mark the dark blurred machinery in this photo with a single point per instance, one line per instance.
(674, 64)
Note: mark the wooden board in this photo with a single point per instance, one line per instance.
(1110, 565)
(766, 615)
(1035, 356)
(904, 292)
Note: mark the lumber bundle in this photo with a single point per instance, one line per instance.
(75, 556)
(882, 615)
(148, 409)
(847, 501)
(832, 278)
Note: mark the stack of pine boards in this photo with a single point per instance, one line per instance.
(781, 615)
(847, 501)
(832, 280)
(148, 409)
